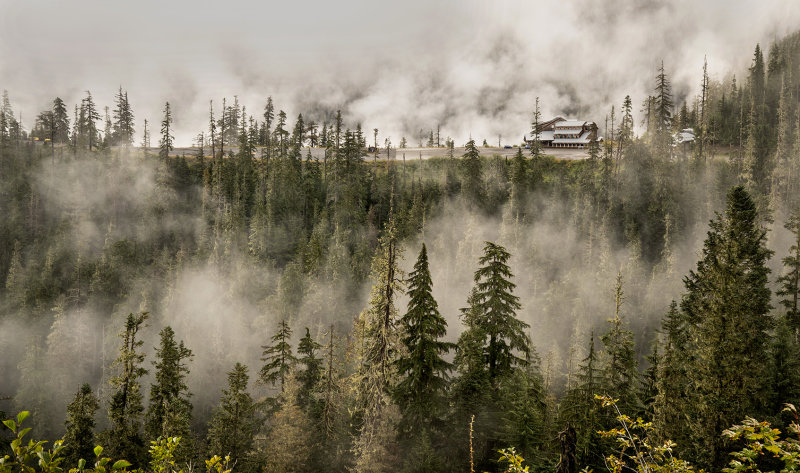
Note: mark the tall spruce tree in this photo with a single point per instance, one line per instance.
(166, 142)
(170, 411)
(506, 344)
(423, 370)
(79, 439)
(727, 306)
(278, 357)
(124, 439)
(621, 372)
(233, 426)
(311, 374)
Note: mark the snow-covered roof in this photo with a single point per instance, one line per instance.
(570, 124)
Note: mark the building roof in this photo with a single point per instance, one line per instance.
(570, 124)
(546, 135)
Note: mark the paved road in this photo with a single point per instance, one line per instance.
(417, 153)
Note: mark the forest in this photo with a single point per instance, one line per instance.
(247, 307)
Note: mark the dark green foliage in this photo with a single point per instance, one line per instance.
(790, 280)
(79, 438)
(727, 306)
(125, 410)
(277, 358)
(170, 411)
(311, 374)
(233, 426)
(423, 371)
(493, 314)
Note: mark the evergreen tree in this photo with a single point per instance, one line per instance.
(79, 440)
(278, 357)
(727, 304)
(166, 142)
(287, 448)
(311, 374)
(124, 440)
(494, 311)
(621, 373)
(233, 425)
(89, 117)
(60, 121)
(472, 183)
(170, 411)
(423, 371)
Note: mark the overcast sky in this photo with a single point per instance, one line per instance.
(473, 66)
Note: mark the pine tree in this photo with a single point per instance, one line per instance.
(506, 344)
(233, 425)
(536, 144)
(423, 371)
(60, 121)
(621, 373)
(381, 347)
(287, 448)
(670, 405)
(89, 117)
(166, 142)
(170, 411)
(311, 374)
(79, 437)
(278, 357)
(124, 440)
(472, 184)
(727, 304)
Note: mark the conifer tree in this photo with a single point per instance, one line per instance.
(166, 142)
(472, 184)
(621, 373)
(727, 304)
(278, 357)
(60, 121)
(505, 343)
(423, 370)
(89, 117)
(311, 374)
(381, 348)
(671, 379)
(233, 425)
(170, 411)
(287, 448)
(79, 437)
(124, 440)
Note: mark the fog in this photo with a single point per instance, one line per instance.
(474, 67)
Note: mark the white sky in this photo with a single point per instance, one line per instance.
(473, 66)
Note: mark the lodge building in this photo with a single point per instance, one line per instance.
(562, 133)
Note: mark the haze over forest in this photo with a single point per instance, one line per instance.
(473, 68)
(259, 286)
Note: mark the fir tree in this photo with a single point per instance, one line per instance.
(170, 411)
(727, 304)
(621, 373)
(423, 371)
(79, 437)
(124, 440)
(233, 425)
(166, 133)
(311, 374)
(278, 357)
(472, 183)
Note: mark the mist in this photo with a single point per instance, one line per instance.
(475, 70)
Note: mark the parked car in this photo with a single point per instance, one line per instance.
(507, 146)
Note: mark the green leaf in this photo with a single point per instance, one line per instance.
(98, 450)
(120, 464)
(22, 416)
(10, 424)
(81, 464)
